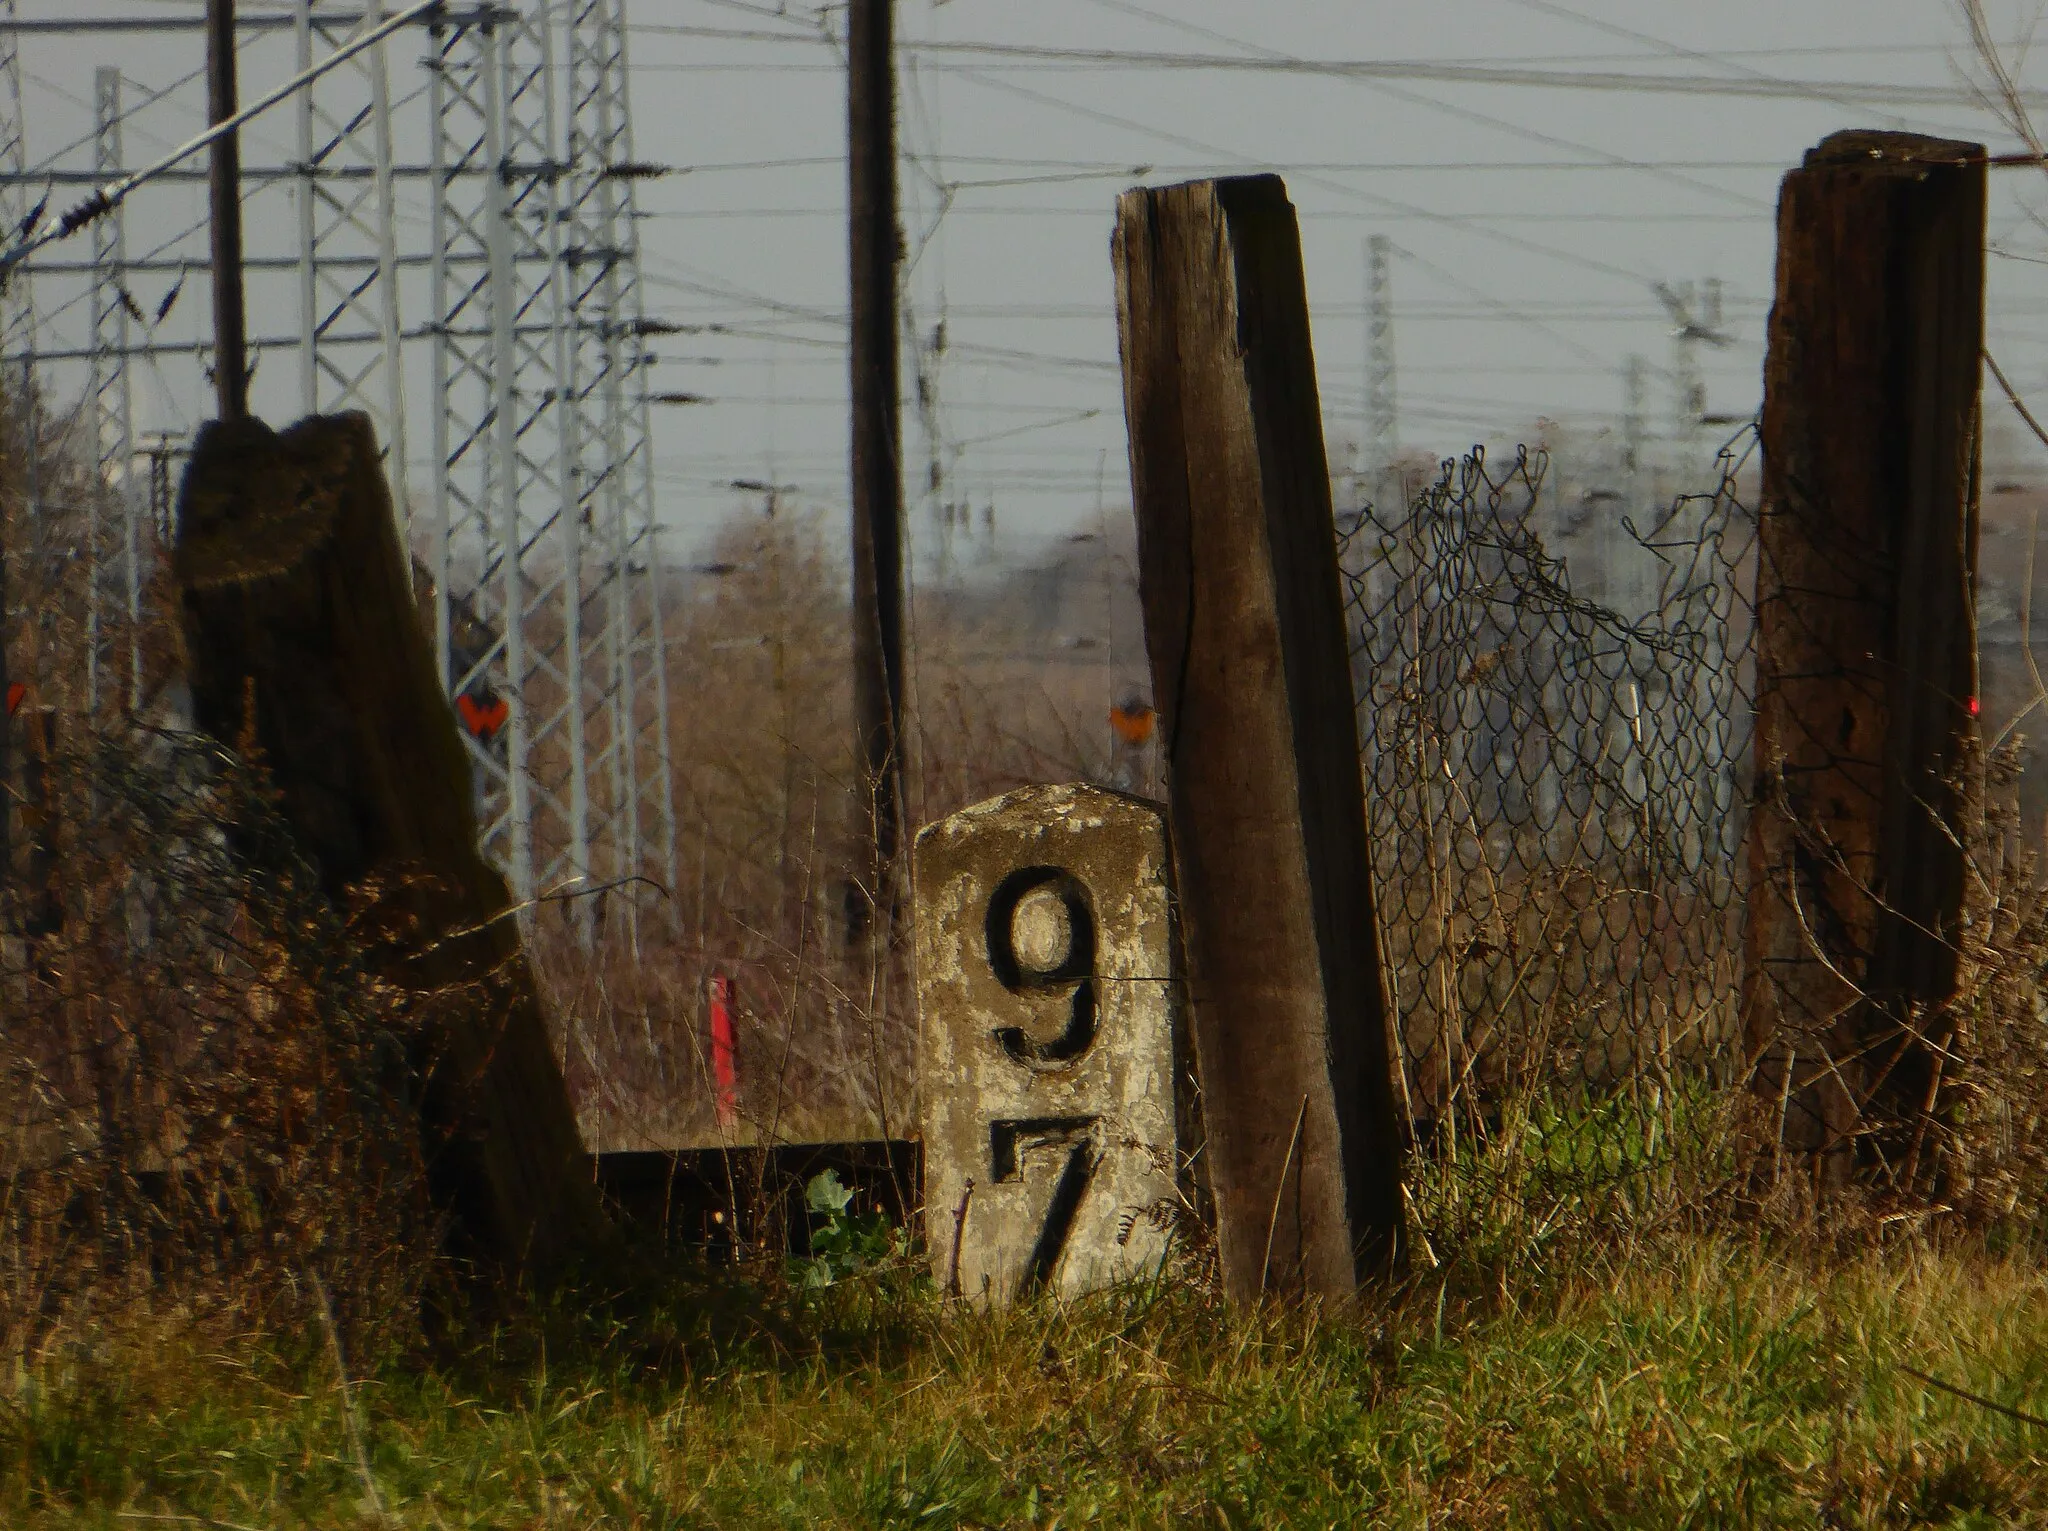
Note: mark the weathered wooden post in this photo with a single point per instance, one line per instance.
(301, 634)
(1251, 675)
(1866, 645)
(1052, 1082)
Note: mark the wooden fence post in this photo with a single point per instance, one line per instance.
(1866, 647)
(1251, 674)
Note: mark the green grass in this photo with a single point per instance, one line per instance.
(1702, 1383)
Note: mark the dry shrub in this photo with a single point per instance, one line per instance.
(761, 720)
(769, 838)
(817, 1058)
(1968, 1150)
(206, 1098)
(1987, 1141)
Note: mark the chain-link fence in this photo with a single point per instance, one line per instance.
(1556, 789)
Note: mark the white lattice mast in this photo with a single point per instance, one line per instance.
(113, 551)
(590, 270)
(1635, 395)
(606, 434)
(1380, 438)
(349, 316)
(17, 311)
(1688, 386)
(498, 493)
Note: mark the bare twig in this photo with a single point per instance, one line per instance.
(959, 1235)
(348, 1402)
(212, 1523)
(1977, 1398)
(1280, 1191)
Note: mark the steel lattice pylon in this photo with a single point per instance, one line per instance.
(113, 649)
(532, 556)
(1381, 437)
(17, 309)
(606, 444)
(17, 322)
(538, 528)
(349, 329)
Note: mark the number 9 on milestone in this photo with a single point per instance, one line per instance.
(1050, 1066)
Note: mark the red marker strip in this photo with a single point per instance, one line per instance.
(724, 1073)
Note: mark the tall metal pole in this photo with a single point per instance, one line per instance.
(505, 475)
(1688, 391)
(17, 333)
(349, 322)
(664, 779)
(875, 251)
(309, 298)
(439, 233)
(1382, 424)
(231, 357)
(605, 418)
(496, 412)
(389, 326)
(113, 414)
(1635, 388)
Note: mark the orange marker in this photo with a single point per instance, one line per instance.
(482, 718)
(1133, 720)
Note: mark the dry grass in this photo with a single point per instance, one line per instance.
(1692, 1382)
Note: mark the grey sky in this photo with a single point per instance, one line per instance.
(1519, 291)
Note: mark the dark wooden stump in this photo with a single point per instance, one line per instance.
(1866, 645)
(302, 639)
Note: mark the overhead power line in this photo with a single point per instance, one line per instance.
(1375, 167)
(1020, 210)
(280, 21)
(1765, 87)
(107, 197)
(1664, 45)
(1528, 246)
(810, 32)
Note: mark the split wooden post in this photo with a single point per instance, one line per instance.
(298, 604)
(1866, 646)
(1251, 674)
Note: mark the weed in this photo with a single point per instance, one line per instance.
(846, 1242)
(1705, 1380)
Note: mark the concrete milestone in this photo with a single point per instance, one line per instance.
(1044, 960)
